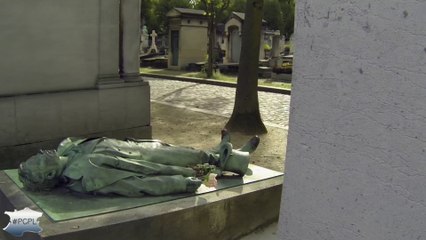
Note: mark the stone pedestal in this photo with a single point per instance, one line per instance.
(222, 214)
(275, 60)
(61, 74)
(41, 121)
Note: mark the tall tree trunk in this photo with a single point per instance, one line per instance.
(213, 8)
(209, 69)
(211, 34)
(246, 115)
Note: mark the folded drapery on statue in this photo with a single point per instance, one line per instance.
(132, 167)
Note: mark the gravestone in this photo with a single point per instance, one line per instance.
(275, 51)
(153, 47)
(144, 41)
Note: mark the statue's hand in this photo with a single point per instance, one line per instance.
(192, 184)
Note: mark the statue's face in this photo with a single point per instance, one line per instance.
(40, 172)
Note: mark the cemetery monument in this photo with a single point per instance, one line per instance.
(153, 48)
(184, 48)
(144, 41)
(80, 84)
(133, 167)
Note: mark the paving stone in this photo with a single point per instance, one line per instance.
(274, 107)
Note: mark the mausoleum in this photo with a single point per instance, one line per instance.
(187, 37)
(232, 44)
(69, 68)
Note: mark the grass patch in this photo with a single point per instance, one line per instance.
(216, 76)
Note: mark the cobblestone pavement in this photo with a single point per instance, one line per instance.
(274, 107)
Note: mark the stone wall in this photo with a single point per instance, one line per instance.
(193, 40)
(43, 43)
(59, 74)
(193, 44)
(355, 166)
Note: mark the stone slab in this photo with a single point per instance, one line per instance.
(222, 214)
(61, 205)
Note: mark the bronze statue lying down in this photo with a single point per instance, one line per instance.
(131, 167)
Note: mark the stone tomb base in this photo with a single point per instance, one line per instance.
(236, 208)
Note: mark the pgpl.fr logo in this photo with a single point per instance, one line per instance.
(21, 221)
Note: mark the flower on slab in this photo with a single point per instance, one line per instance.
(210, 180)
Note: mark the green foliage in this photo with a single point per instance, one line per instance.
(216, 76)
(203, 170)
(288, 8)
(238, 5)
(147, 14)
(273, 15)
(234, 6)
(154, 12)
(279, 14)
(267, 47)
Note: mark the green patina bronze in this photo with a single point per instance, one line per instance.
(131, 167)
(61, 204)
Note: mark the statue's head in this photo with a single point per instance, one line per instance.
(41, 171)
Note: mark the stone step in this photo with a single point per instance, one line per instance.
(223, 214)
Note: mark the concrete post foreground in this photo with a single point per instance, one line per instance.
(355, 165)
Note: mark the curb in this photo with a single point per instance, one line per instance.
(215, 82)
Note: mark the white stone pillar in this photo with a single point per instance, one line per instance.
(275, 50)
(130, 40)
(356, 155)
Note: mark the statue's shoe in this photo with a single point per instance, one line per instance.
(251, 145)
(192, 184)
(225, 138)
(225, 135)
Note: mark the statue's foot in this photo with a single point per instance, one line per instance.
(251, 145)
(192, 184)
(225, 135)
(225, 138)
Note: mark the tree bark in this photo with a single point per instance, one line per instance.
(246, 115)
(213, 8)
(211, 35)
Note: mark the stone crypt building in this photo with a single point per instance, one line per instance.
(69, 68)
(187, 37)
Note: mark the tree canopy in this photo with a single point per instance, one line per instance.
(154, 12)
(288, 8)
(279, 14)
